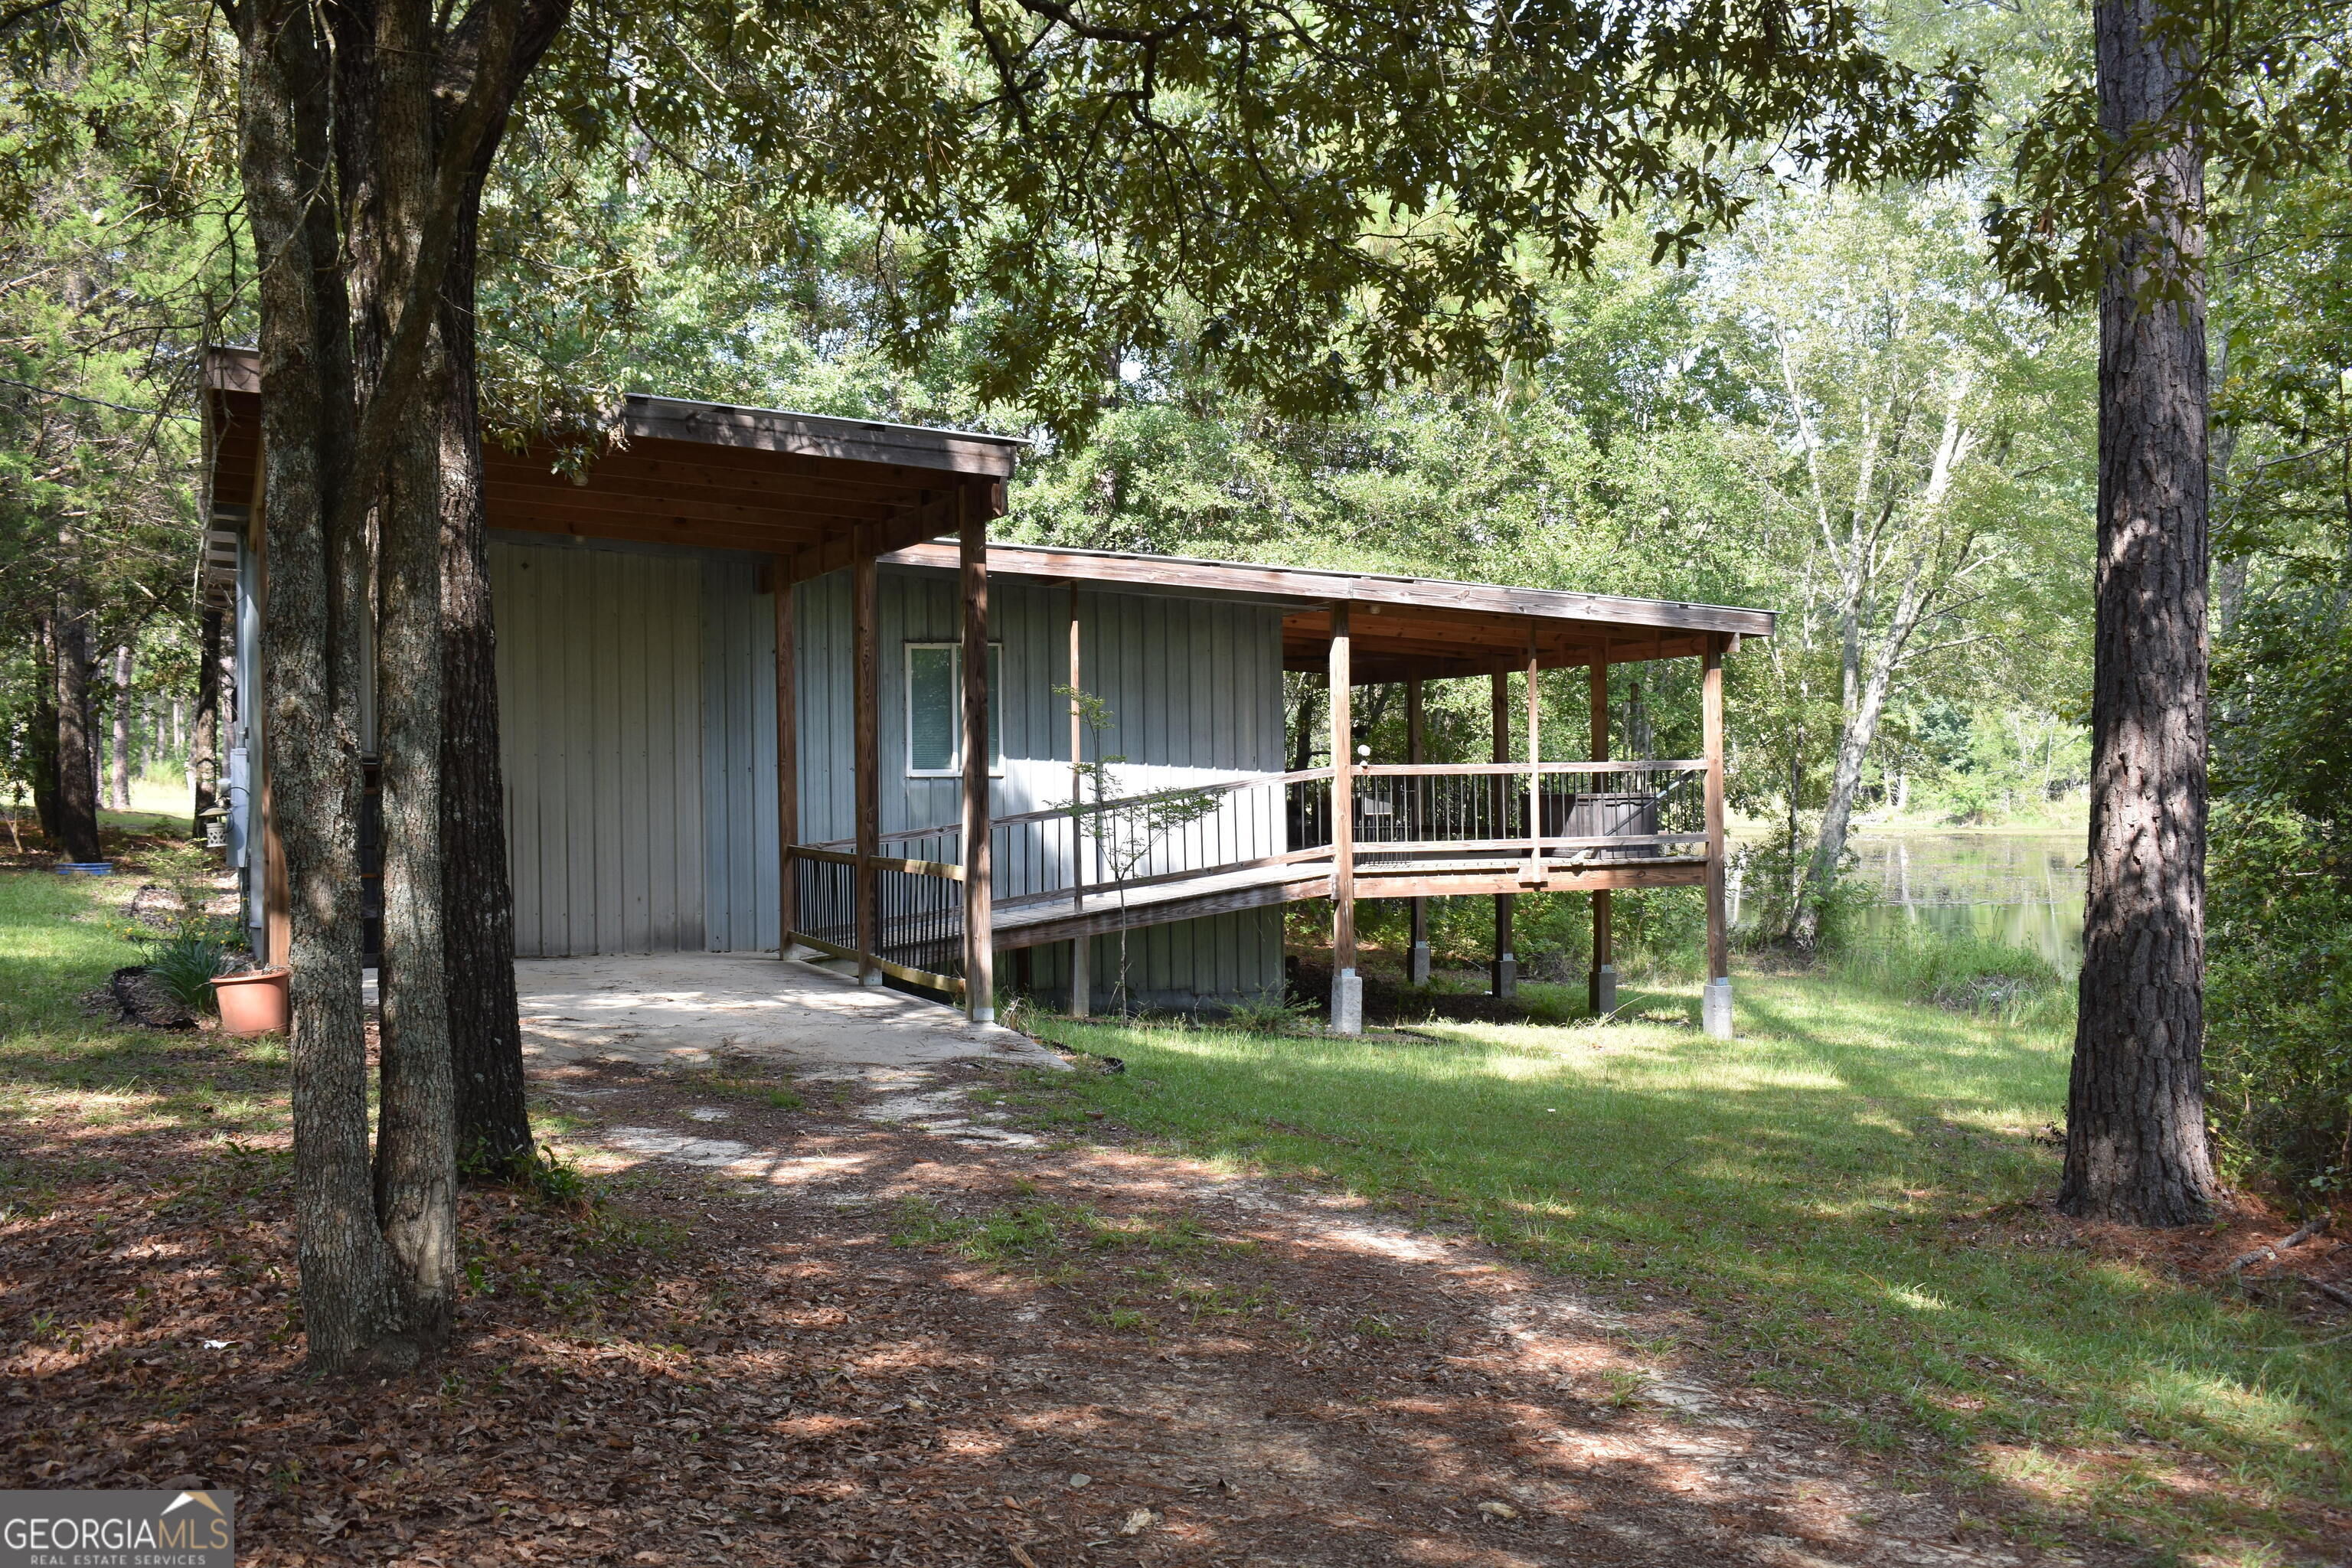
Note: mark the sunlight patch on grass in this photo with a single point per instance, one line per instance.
(1849, 1195)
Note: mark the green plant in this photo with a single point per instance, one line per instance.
(1270, 1013)
(185, 962)
(559, 1183)
(2278, 1031)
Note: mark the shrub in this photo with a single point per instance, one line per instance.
(1770, 875)
(1972, 973)
(184, 961)
(2278, 1010)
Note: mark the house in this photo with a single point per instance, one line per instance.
(729, 576)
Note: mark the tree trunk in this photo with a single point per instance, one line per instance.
(385, 137)
(119, 790)
(317, 590)
(1860, 732)
(76, 832)
(493, 1112)
(41, 744)
(203, 747)
(2135, 1148)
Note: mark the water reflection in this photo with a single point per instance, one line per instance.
(2025, 889)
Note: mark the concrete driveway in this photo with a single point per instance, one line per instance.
(684, 1010)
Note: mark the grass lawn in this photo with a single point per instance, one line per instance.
(59, 939)
(1847, 1205)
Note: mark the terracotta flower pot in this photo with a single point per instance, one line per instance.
(253, 1003)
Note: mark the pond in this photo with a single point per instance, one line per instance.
(2021, 888)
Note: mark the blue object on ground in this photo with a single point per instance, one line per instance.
(85, 867)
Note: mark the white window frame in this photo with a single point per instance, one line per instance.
(907, 701)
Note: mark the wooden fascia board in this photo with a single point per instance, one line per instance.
(679, 507)
(1301, 585)
(643, 531)
(814, 435)
(625, 473)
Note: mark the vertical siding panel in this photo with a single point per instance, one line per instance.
(657, 726)
(686, 739)
(605, 830)
(766, 846)
(715, 732)
(633, 716)
(515, 596)
(555, 592)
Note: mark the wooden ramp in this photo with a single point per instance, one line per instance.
(1035, 922)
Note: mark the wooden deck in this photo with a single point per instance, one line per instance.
(1034, 923)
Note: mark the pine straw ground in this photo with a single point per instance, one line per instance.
(786, 1332)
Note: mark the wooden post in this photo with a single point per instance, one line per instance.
(1600, 985)
(788, 756)
(1417, 956)
(1716, 1007)
(1081, 947)
(1505, 969)
(1535, 773)
(1347, 985)
(865, 747)
(979, 928)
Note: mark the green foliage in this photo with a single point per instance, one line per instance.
(185, 961)
(559, 1183)
(2279, 901)
(1974, 974)
(1270, 1013)
(1774, 877)
(1323, 203)
(2278, 1019)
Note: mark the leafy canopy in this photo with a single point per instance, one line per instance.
(1327, 202)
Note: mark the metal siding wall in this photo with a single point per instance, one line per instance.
(600, 690)
(738, 760)
(1195, 689)
(1186, 966)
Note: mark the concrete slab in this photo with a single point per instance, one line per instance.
(684, 1010)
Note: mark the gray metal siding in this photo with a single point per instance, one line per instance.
(601, 703)
(1182, 967)
(1195, 692)
(638, 696)
(739, 758)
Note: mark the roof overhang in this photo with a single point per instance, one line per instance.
(1400, 627)
(813, 491)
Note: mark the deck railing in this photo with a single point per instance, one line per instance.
(1576, 811)
(917, 913)
(1439, 816)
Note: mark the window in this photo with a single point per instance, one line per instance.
(935, 709)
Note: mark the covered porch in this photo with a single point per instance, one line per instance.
(1404, 830)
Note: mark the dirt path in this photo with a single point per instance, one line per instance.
(887, 1325)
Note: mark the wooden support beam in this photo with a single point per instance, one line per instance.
(1504, 972)
(1417, 955)
(980, 949)
(1535, 755)
(1600, 983)
(788, 758)
(1081, 945)
(865, 747)
(1347, 985)
(1716, 1007)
